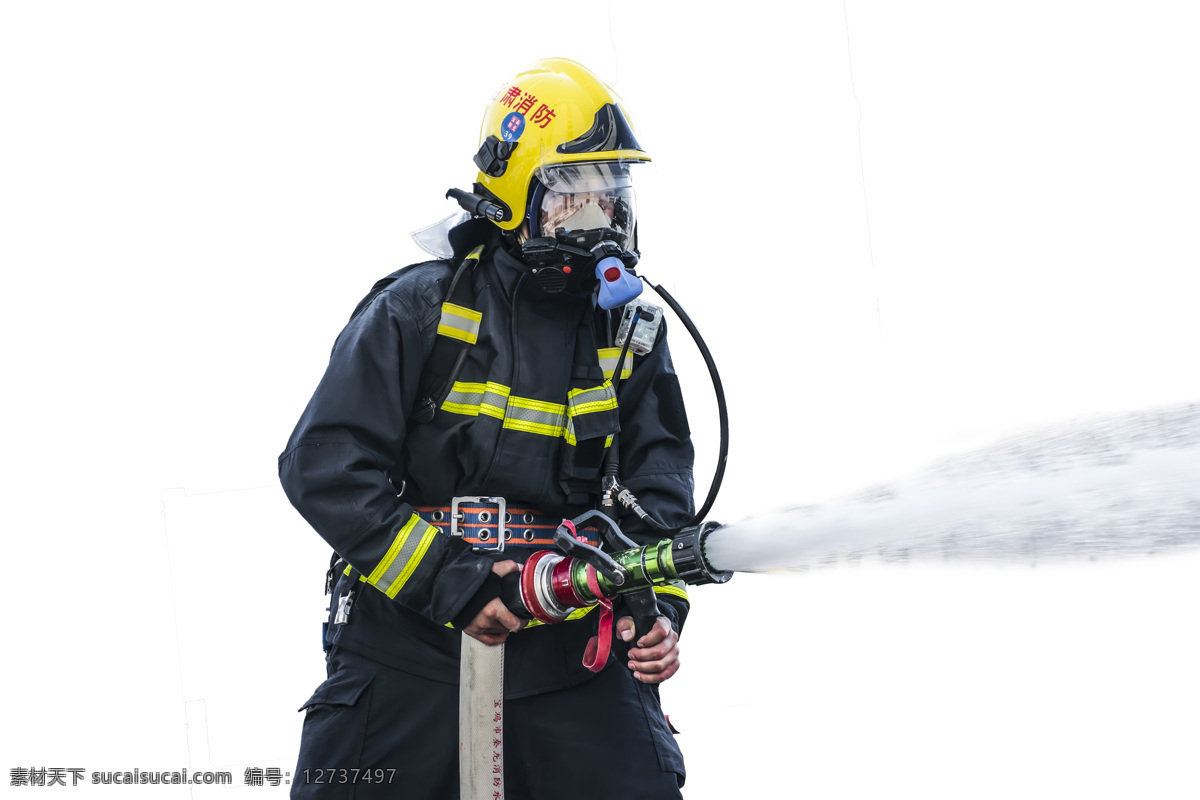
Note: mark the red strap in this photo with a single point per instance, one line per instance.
(595, 656)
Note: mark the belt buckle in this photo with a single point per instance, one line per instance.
(456, 516)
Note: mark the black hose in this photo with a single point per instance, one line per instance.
(722, 409)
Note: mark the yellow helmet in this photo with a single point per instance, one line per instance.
(555, 112)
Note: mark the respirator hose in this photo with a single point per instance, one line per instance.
(722, 409)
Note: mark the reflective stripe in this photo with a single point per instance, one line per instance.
(676, 589)
(459, 323)
(495, 400)
(526, 414)
(590, 401)
(535, 416)
(576, 614)
(464, 398)
(402, 558)
(472, 399)
(608, 361)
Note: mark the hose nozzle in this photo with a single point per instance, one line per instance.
(689, 560)
(552, 585)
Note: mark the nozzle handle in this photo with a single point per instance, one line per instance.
(575, 548)
(642, 606)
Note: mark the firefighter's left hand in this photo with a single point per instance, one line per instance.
(656, 656)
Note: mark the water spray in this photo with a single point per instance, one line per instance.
(1126, 484)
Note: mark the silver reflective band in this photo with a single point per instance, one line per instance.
(459, 323)
(608, 362)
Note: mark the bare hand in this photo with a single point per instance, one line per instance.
(656, 656)
(495, 622)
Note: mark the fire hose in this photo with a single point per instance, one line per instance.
(550, 586)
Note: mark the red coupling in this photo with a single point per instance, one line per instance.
(529, 593)
(560, 584)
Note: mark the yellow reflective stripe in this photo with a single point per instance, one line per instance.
(539, 428)
(526, 414)
(495, 400)
(593, 407)
(606, 400)
(406, 551)
(537, 405)
(393, 551)
(670, 588)
(466, 409)
(464, 398)
(472, 399)
(469, 388)
(413, 561)
(459, 322)
(608, 361)
(576, 614)
(535, 416)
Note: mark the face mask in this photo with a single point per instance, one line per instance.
(582, 223)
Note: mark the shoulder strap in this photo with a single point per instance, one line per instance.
(457, 330)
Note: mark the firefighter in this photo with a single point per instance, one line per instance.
(467, 409)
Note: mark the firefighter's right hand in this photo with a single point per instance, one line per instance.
(495, 622)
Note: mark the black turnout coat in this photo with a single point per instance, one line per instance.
(356, 465)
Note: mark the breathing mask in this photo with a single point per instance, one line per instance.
(582, 229)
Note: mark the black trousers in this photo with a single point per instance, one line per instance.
(375, 732)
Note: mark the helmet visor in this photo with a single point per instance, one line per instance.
(588, 202)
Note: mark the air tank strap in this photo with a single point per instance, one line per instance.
(458, 329)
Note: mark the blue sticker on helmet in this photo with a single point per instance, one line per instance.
(513, 126)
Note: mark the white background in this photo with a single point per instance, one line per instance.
(904, 228)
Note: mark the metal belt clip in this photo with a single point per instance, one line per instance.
(484, 516)
(345, 602)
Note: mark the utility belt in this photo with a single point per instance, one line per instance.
(486, 523)
(489, 523)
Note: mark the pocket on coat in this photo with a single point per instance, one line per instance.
(335, 724)
(670, 758)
